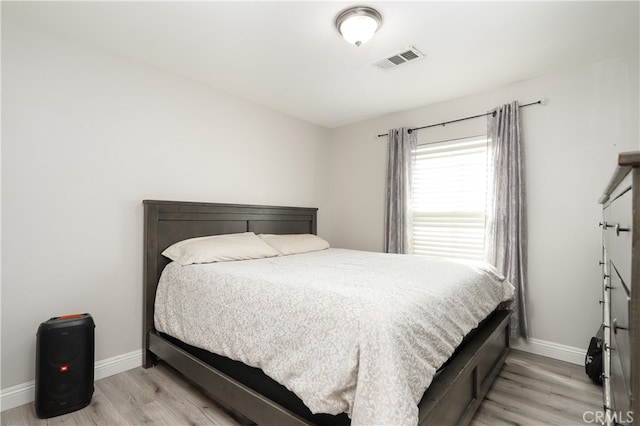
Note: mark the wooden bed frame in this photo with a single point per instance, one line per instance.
(453, 396)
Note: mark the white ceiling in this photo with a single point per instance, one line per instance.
(289, 56)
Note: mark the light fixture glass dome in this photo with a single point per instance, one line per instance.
(358, 24)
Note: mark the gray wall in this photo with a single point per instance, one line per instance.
(86, 137)
(571, 148)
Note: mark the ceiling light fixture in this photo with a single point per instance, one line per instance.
(358, 24)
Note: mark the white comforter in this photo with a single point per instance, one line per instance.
(346, 331)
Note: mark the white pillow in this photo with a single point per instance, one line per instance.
(295, 243)
(219, 248)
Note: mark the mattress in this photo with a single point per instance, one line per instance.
(346, 331)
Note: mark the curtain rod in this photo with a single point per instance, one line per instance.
(542, 101)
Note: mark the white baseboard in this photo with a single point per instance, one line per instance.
(551, 350)
(25, 392)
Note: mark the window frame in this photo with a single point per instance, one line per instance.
(454, 228)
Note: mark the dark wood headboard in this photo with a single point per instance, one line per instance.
(167, 222)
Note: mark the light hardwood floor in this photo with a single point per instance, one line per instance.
(530, 390)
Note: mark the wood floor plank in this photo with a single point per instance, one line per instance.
(530, 404)
(529, 390)
(525, 381)
(494, 413)
(191, 405)
(23, 415)
(481, 419)
(578, 391)
(536, 371)
(99, 412)
(159, 413)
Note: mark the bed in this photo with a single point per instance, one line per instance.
(452, 397)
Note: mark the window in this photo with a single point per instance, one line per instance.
(449, 197)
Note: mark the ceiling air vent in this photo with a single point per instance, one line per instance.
(407, 55)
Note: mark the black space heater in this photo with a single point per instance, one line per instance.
(64, 364)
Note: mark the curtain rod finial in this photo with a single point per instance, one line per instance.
(544, 101)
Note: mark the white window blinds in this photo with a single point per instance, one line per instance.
(449, 196)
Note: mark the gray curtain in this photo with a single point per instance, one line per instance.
(506, 226)
(397, 218)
